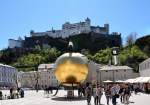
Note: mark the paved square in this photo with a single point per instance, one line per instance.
(34, 98)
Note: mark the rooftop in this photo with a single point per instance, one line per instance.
(46, 66)
(112, 67)
(145, 61)
(6, 65)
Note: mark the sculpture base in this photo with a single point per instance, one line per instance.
(70, 94)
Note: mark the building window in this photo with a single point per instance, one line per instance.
(106, 71)
(124, 70)
(116, 70)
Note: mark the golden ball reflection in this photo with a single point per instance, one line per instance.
(71, 72)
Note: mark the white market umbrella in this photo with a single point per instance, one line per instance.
(119, 81)
(145, 80)
(129, 81)
(137, 80)
(107, 81)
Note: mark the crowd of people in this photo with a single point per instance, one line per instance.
(112, 92)
(14, 93)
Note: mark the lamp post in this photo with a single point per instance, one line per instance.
(100, 77)
(37, 77)
(46, 70)
(113, 75)
(37, 81)
(97, 75)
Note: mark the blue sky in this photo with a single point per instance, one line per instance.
(18, 17)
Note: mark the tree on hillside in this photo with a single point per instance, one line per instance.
(102, 56)
(144, 44)
(130, 39)
(132, 56)
(31, 61)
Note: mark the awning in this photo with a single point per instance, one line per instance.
(129, 81)
(120, 81)
(137, 80)
(145, 80)
(107, 81)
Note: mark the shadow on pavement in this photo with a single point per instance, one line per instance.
(132, 102)
(68, 99)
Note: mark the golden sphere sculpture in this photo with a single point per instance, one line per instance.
(71, 68)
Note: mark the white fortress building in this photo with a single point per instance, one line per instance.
(8, 76)
(69, 29)
(15, 43)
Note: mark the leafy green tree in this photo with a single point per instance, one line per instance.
(102, 56)
(31, 61)
(132, 56)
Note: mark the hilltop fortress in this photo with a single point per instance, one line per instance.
(83, 35)
(69, 29)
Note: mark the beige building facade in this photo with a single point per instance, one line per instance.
(144, 68)
(8, 76)
(114, 73)
(42, 78)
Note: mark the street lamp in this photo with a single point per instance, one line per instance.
(113, 75)
(37, 81)
(100, 77)
(37, 77)
(97, 75)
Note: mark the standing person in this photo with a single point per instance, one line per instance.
(114, 94)
(108, 93)
(127, 94)
(88, 92)
(79, 91)
(95, 94)
(118, 88)
(11, 93)
(1, 95)
(100, 93)
(121, 93)
(83, 90)
(21, 93)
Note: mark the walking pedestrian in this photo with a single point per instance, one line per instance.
(100, 93)
(88, 92)
(107, 93)
(114, 94)
(127, 94)
(121, 93)
(95, 94)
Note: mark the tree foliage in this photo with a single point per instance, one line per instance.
(102, 56)
(31, 61)
(144, 44)
(132, 57)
